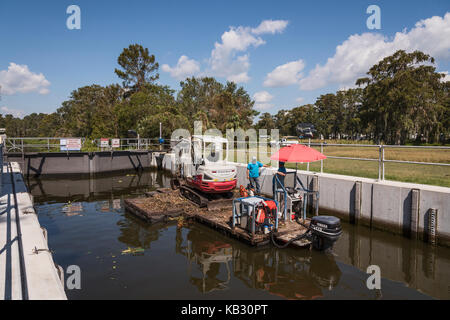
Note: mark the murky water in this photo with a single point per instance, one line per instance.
(122, 257)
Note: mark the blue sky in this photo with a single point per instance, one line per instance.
(284, 53)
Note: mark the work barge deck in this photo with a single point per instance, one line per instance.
(164, 205)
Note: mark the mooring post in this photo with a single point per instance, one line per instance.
(315, 194)
(415, 197)
(357, 201)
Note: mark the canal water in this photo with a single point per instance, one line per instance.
(121, 257)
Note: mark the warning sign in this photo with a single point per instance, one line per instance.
(70, 144)
(115, 143)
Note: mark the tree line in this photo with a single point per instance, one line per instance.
(402, 99)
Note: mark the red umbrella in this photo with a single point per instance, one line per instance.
(297, 153)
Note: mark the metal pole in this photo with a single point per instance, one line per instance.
(309, 145)
(234, 214)
(321, 161)
(382, 160)
(160, 136)
(379, 162)
(253, 221)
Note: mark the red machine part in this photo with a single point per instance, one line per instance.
(198, 183)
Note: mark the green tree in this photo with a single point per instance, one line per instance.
(106, 114)
(170, 118)
(404, 96)
(216, 105)
(266, 121)
(281, 119)
(138, 67)
(143, 104)
(78, 112)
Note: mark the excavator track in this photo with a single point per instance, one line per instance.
(213, 202)
(193, 196)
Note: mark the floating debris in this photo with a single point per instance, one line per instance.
(133, 251)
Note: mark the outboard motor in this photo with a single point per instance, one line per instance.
(325, 231)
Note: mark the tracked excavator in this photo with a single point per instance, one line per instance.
(203, 175)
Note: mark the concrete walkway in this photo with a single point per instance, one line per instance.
(27, 270)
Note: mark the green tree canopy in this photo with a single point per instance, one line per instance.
(138, 67)
(404, 95)
(216, 105)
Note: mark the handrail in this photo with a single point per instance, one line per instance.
(303, 189)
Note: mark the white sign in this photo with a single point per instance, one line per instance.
(104, 143)
(115, 143)
(70, 144)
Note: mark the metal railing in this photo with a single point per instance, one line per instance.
(52, 144)
(35, 144)
(381, 159)
(134, 144)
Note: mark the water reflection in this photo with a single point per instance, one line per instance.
(102, 187)
(136, 233)
(290, 274)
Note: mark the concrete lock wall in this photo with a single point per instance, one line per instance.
(88, 163)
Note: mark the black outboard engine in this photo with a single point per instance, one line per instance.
(325, 230)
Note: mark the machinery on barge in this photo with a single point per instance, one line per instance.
(205, 178)
(203, 174)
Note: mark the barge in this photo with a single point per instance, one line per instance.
(166, 204)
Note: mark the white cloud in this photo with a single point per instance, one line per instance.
(447, 76)
(18, 78)
(358, 53)
(225, 61)
(262, 100)
(285, 75)
(185, 68)
(271, 26)
(15, 112)
(300, 100)
(229, 59)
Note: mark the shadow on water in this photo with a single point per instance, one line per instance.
(122, 257)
